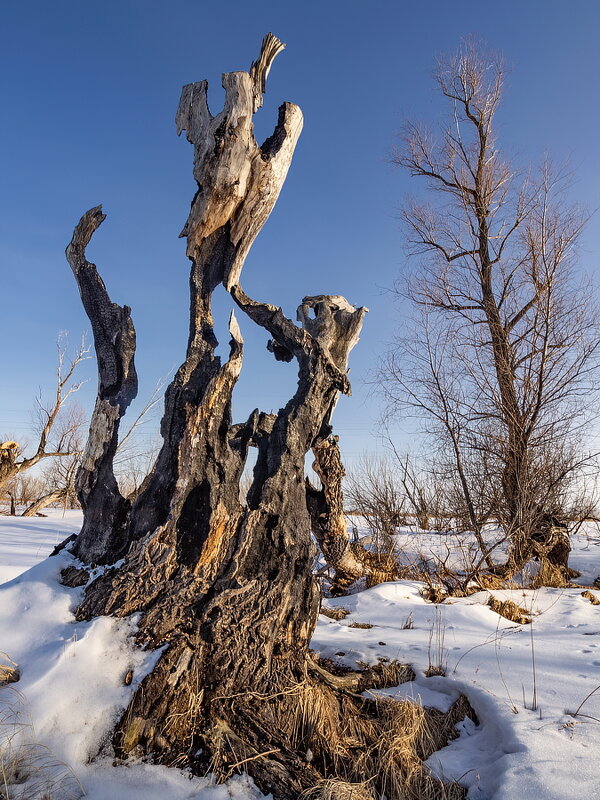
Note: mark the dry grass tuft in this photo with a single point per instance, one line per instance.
(434, 593)
(29, 771)
(365, 625)
(435, 669)
(491, 582)
(595, 601)
(315, 722)
(9, 671)
(384, 674)
(549, 575)
(371, 747)
(509, 610)
(383, 567)
(408, 623)
(335, 613)
(438, 589)
(410, 735)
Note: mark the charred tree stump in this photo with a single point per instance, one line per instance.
(225, 589)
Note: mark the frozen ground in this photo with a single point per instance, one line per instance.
(524, 681)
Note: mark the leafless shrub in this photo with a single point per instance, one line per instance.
(373, 492)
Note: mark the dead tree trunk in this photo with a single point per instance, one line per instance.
(8, 466)
(225, 589)
(328, 521)
(103, 538)
(44, 501)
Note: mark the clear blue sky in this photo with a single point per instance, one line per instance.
(89, 92)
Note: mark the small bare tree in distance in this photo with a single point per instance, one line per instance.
(58, 430)
(504, 351)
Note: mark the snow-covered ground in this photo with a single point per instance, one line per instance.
(525, 682)
(24, 542)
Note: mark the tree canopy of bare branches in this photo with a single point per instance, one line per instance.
(503, 357)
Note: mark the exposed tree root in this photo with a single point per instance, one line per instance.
(317, 737)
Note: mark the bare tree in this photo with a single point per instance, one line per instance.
(21, 490)
(57, 428)
(510, 339)
(420, 376)
(57, 482)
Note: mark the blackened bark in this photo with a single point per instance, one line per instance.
(103, 538)
(226, 589)
(328, 521)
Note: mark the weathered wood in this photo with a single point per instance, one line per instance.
(336, 325)
(103, 537)
(225, 589)
(328, 521)
(238, 180)
(8, 458)
(44, 501)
